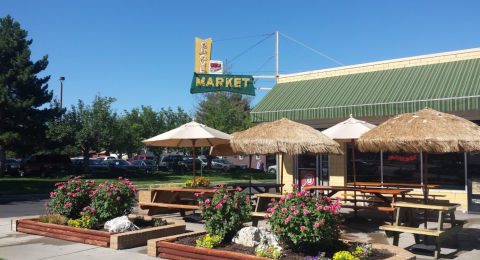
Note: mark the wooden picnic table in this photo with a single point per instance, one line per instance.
(179, 198)
(440, 233)
(263, 199)
(424, 188)
(258, 186)
(393, 184)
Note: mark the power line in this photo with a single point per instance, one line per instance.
(239, 38)
(313, 49)
(251, 47)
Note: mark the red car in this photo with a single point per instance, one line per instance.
(140, 157)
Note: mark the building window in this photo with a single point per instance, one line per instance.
(257, 157)
(240, 157)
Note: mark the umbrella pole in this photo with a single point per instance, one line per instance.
(354, 178)
(425, 186)
(250, 170)
(194, 162)
(281, 178)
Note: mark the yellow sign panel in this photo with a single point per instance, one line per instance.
(203, 50)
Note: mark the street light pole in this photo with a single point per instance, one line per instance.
(61, 94)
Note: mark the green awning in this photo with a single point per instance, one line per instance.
(449, 86)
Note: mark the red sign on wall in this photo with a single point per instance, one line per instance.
(307, 178)
(402, 158)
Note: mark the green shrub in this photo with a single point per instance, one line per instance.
(302, 220)
(112, 199)
(225, 213)
(209, 241)
(70, 198)
(53, 219)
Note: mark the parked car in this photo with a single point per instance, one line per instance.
(222, 164)
(145, 165)
(120, 166)
(170, 162)
(272, 169)
(204, 162)
(46, 164)
(11, 166)
(187, 165)
(104, 158)
(95, 166)
(140, 157)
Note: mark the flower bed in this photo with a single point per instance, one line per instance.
(121, 240)
(167, 248)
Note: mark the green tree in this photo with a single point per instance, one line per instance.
(23, 116)
(151, 123)
(88, 128)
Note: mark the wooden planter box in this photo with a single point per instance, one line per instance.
(166, 249)
(120, 240)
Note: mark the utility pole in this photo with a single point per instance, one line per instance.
(61, 94)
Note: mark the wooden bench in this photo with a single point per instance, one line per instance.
(440, 234)
(379, 208)
(263, 199)
(181, 207)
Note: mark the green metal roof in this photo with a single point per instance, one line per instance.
(448, 86)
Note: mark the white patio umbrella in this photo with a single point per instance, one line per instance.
(191, 134)
(349, 131)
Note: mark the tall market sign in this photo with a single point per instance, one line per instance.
(233, 83)
(209, 77)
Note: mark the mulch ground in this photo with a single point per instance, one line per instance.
(289, 254)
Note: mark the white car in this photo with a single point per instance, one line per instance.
(222, 164)
(272, 169)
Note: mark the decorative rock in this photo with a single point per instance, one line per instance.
(120, 224)
(253, 236)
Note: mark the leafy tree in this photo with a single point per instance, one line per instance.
(23, 95)
(151, 123)
(88, 128)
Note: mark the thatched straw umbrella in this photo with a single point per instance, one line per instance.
(283, 137)
(426, 131)
(226, 150)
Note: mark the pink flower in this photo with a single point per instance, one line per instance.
(292, 208)
(93, 181)
(219, 205)
(284, 210)
(322, 222)
(120, 178)
(286, 220)
(68, 193)
(92, 210)
(207, 206)
(225, 197)
(118, 198)
(74, 195)
(273, 199)
(305, 211)
(46, 203)
(294, 185)
(239, 189)
(247, 200)
(316, 225)
(295, 212)
(303, 204)
(86, 208)
(279, 229)
(109, 194)
(235, 207)
(302, 228)
(77, 189)
(215, 190)
(107, 189)
(266, 216)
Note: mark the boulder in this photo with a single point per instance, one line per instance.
(254, 236)
(120, 224)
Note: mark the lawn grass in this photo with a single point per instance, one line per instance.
(35, 185)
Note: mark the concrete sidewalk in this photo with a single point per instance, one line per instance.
(15, 245)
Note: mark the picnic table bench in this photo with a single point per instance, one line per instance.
(263, 199)
(440, 234)
(176, 199)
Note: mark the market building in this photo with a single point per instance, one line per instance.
(373, 92)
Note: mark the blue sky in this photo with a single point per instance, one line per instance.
(142, 52)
